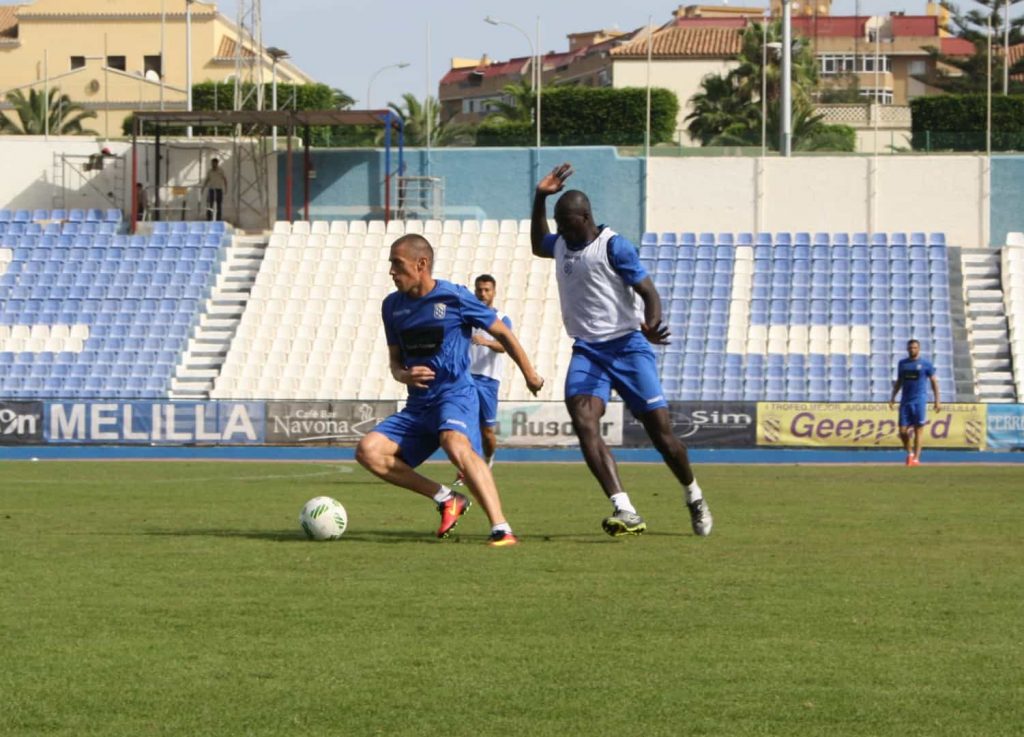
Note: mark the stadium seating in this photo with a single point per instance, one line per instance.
(312, 327)
(821, 317)
(88, 312)
(795, 317)
(1013, 293)
(99, 315)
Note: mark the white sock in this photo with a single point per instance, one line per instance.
(621, 501)
(693, 492)
(502, 527)
(490, 461)
(443, 494)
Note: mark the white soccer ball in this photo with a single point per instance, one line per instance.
(323, 518)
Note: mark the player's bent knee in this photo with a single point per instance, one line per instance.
(371, 451)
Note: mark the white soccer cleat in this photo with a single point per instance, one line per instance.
(700, 517)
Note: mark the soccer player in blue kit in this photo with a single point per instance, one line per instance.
(487, 365)
(611, 308)
(911, 373)
(428, 323)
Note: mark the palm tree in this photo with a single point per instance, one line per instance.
(727, 110)
(342, 100)
(35, 111)
(414, 115)
(517, 107)
(715, 107)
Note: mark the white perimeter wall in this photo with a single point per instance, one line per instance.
(33, 173)
(907, 193)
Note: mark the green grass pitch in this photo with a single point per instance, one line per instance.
(181, 599)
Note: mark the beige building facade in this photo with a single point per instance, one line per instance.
(116, 56)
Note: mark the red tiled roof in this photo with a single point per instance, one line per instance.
(498, 69)
(915, 25)
(678, 41)
(712, 22)
(9, 21)
(956, 47)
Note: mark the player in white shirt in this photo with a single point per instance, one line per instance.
(612, 310)
(487, 365)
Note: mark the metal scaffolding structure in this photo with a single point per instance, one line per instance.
(260, 123)
(251, 153)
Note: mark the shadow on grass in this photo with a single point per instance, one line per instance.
(293, 536)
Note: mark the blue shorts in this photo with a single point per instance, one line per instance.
(487, 394)
(417, 427)
(913, 415)
(626, 364)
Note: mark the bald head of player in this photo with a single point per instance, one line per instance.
(574, 218)
(412, 263)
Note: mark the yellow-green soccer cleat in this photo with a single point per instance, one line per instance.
(624, 523)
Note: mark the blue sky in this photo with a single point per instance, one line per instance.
(343, 43)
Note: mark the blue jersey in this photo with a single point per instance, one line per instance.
(434, 330)
(914, 375)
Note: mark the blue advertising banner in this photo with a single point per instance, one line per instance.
(155, 423)
(1005, 427)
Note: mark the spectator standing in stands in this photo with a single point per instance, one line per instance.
(215, 184)
(600, 279)
(487, 365)
(428, 323)
(141, 201)
(911, 373)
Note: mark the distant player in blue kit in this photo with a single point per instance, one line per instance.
(612, 310)
(428, 323)
(487, 365)
(911, 374)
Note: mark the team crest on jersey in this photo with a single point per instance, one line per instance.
(440, 310)
(567, 266)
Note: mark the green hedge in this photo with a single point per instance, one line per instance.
(589, 116)
(957, 123)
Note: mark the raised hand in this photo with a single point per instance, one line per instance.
(657, 333)
(555, 181)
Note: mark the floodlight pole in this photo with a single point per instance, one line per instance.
(786, 142)
(1006, 50)
(988, 93)
(276, 55)
(535, 57)
(188, 61)
(764, 85)
(369, 86)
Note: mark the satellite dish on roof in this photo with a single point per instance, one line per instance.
(152, 76)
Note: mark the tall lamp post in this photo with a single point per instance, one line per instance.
(276, 55)
(188, 60)
(535, 63)
(785, 144)
(369, 86)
